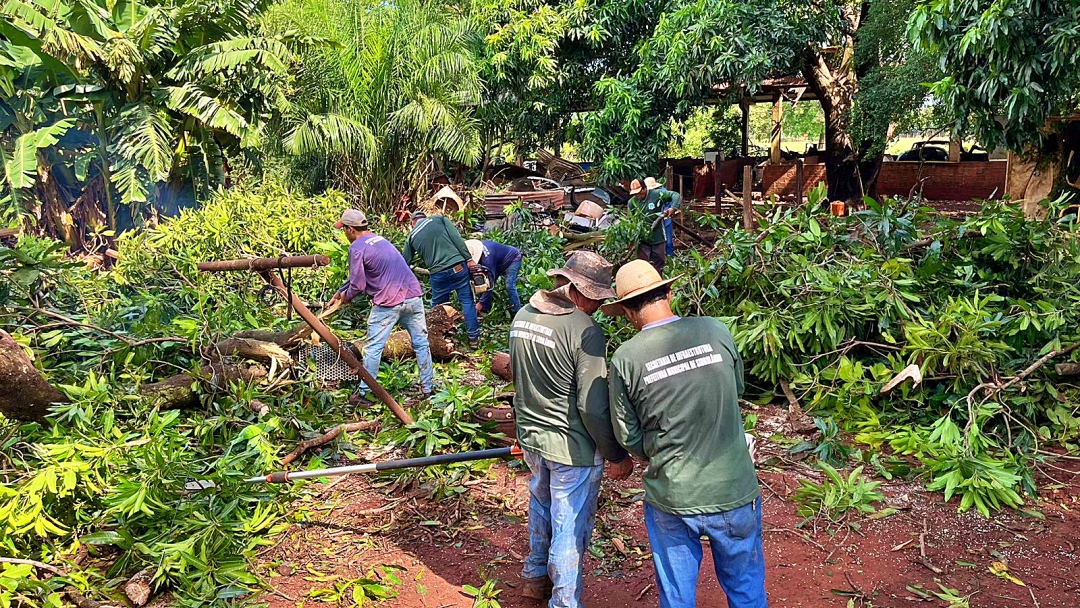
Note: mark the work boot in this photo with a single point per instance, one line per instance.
(536, 588)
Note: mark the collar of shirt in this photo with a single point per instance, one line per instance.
(670, 319)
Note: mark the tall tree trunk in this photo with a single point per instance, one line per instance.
(832, 75)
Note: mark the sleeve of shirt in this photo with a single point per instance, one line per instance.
(624, 420)
(455, 237)
(357, 279)
(592, 390)
(676, 200)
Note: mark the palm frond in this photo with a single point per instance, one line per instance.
(215, 114)
(146, 139)
(332, 134)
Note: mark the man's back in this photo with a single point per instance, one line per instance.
(675, 400)
(559, 370)
(377, 268)
(438, 242)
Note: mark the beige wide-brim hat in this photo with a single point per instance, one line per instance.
(651, 183)
(553, 301)
(634, 279)
(476, 249)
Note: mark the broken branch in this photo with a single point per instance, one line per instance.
(327, 437)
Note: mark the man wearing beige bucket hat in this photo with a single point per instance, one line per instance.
(557, 353)
(674, 402)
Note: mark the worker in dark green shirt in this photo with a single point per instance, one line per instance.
(674, 402)
(558, 357)
(653, 249)
(448, 260)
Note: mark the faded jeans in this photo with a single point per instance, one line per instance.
(561, 515)
(735, 541)
(512, 272)
(381, 321)
(446, 281)
(669, 249)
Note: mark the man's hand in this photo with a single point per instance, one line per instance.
(622, 469)
(470, 263)
(479, 308)
(669, 212)
(338, 299)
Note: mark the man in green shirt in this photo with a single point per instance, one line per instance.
(674, 401)
(653, 249)
(557, 353)
(448, 260)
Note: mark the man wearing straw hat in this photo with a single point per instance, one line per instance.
(670, 202)
(557, 353)
(674, 402)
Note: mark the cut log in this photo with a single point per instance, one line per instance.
(249, 348)
(1067, 369)
(442, 321)
(138, 588)
(284, 339)
(24, 392)
(500, 366)
(179, 391)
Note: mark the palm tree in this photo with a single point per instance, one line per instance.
(389, 95)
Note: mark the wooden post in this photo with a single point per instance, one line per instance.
(333, 342)
(798, 181)
(954, 150)
(719, 187)
(744, 106)
(747, 201)
(777, 128)
(669, 177)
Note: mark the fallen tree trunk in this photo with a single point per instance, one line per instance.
(284, 339)
(24, 392)
(180, 391)
(500, 366)
(1067, 369)
(253, 349)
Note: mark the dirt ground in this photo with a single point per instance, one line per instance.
(358, 523)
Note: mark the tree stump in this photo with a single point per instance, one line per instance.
(24, 392)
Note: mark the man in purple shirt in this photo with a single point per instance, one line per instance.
(378, 269)
(497, 260)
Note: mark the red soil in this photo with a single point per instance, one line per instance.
(445, 545)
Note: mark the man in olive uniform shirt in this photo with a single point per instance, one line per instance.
(675, 390)
(557, 353)
(648, 203)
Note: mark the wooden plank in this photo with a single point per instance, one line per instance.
(7, 233)
(798, 181)
(747, 200)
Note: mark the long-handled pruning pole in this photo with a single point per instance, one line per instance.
(408, 463)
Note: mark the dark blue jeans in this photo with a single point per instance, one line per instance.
(512, 272)
(446, 281)
(735, 540)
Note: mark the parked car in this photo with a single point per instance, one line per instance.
(938, 150)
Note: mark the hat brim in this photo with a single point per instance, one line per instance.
(635, 191)
(552, 302)
(615, 309)
(587, 288)
(339, 225)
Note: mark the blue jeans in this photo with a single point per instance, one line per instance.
(381, 321)
(512, 272)
(446, 281)
(735, 541)
(561, 515)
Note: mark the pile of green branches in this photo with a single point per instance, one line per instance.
(836, 307)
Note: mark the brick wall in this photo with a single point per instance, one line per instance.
(944, 181)
(780, 179)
